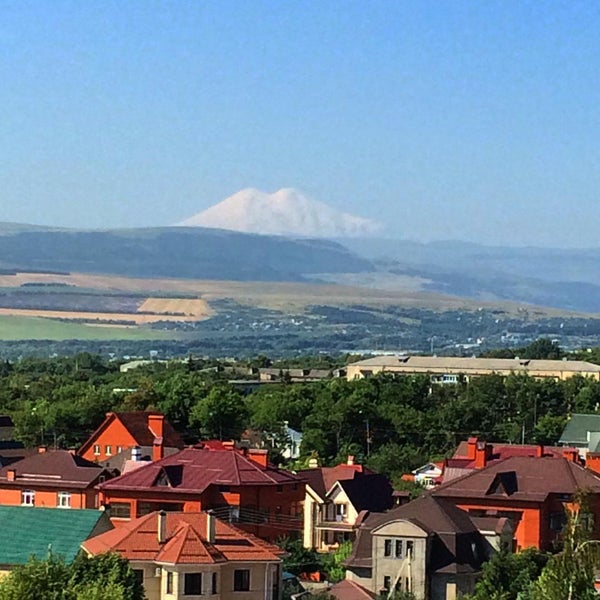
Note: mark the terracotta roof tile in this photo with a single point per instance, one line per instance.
(185, 543)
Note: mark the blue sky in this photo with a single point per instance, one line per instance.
(447, 120)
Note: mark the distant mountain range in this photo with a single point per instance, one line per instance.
(183, 252)
(564, 279)
(285, 212)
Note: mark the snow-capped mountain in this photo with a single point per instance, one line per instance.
(286, 212)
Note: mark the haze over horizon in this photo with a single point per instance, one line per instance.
(475, 122)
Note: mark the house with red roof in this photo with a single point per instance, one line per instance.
(120, 432)
(533, 492)
(241, 487)
(182, 555)
(334, 499)
(475, 454)
(55, 478)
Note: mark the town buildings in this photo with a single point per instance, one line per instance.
(240, 486)
(532, 492)
(582, 432)
(192, 555)
(56, 478)
(335, 496)
(120, 432)
(444, 369)
(427, 547)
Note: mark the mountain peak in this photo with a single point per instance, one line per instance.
(284, 212)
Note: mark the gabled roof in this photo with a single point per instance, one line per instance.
(371, 492)
(136, 424)
(195, 469)
(522, 478)
(185, 543)
(437, 516)
(35, 531)
(322, 479)
(577, 427)
(55, 468)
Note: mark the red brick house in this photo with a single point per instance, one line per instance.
(238, 486)
(56, 478)
(122, 431)
(531, 491)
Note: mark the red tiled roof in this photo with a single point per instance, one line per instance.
(186, 542)
(349, 590)
(195, 469)
(57, 468)
(502, 451)
(522, 478)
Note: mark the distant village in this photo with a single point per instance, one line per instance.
(218, 518)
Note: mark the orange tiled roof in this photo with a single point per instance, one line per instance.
(185, 543)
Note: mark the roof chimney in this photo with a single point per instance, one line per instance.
(156, 424)
(571, 454)
(483, 453)
(42, 449)
(258, 456)
(350, 460)
(211, 527)
(471, 447)
(158, 449)
(539, 451)
(11, 475)
(161, 530)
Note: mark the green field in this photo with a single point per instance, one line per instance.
(34, 328)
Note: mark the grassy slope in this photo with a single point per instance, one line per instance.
(25, 328)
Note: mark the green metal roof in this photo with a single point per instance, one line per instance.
(576, 429)
(27, 530)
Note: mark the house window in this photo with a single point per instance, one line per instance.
(120, 510)
(387, 547)
(192, 584)
(409, 548)
(96, 449)
(241, 580)
(119, 449)
(557, 521)
(387, 582)
(139, 575)
(398, 548)
(169, 582)
(63, 500)
(215, 587)
(28, 497)
(108, 450)
(340, 512)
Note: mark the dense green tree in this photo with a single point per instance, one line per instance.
(332, 563)
(103, 577)
(220, 414)
(507, 576)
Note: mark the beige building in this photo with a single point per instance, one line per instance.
(429, 548)
(193, 556)
(335, 496)
(451, 369)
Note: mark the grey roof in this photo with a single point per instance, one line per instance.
(466, 365)
(576, 430)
